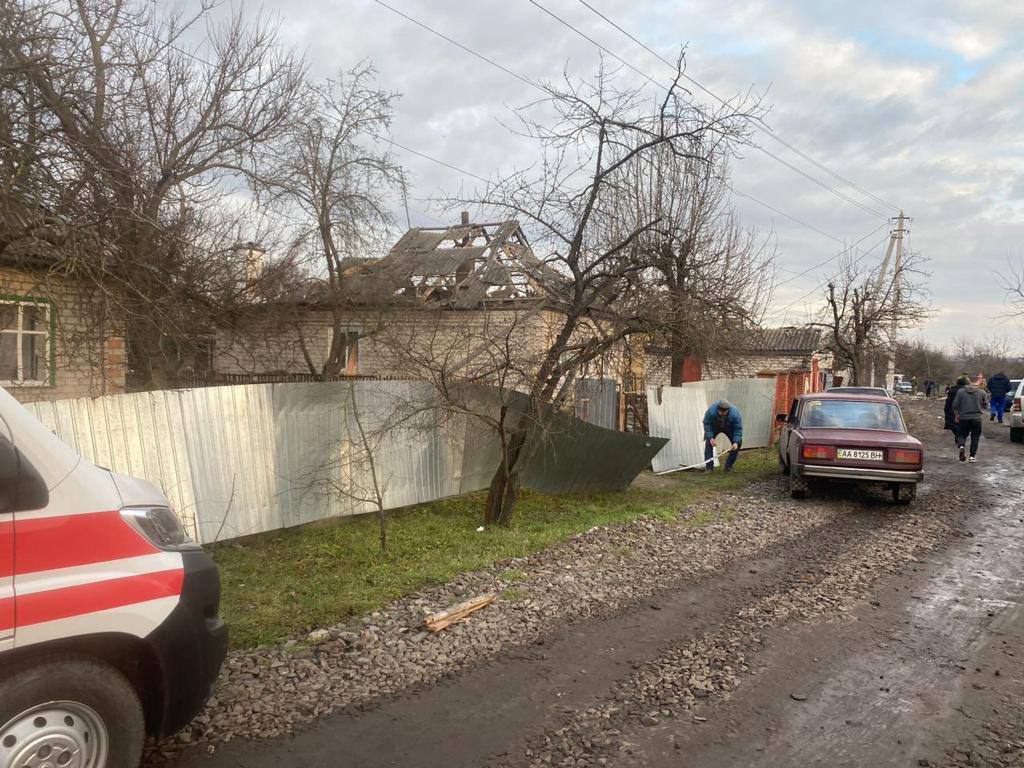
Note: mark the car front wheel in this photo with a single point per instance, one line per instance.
(70, 713)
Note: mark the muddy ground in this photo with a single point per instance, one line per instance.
(863, 635)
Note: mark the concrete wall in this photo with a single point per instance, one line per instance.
(88, 350)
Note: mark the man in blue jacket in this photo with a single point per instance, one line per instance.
(998, 389)
(722, 418)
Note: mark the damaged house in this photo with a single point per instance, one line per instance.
(470, 301)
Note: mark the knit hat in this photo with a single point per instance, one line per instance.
(724, 405)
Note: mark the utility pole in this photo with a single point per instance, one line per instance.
(890, 368)
(878, 289)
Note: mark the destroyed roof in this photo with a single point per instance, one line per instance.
(461, 267)
(801, 340)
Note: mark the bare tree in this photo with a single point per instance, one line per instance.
(989, 355)
(861, 306)
(715, 278)
(331, 175)
(593, 136)
(142, 138)
(1013, 283)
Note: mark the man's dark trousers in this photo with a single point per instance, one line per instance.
(709, 453)
(969, 428)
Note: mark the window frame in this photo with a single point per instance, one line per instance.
(49, 334)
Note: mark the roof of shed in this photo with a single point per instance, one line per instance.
(793, 339)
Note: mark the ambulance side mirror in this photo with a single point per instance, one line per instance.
(22, 488)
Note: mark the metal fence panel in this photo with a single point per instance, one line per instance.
(678, 413)
(245, 459)
(597, 402)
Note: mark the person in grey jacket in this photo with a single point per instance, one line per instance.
(968, 406)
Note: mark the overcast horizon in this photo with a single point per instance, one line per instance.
(917, 104)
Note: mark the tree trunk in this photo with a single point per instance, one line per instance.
(505, 484)
(382, 522)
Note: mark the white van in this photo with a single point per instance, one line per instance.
(109, 625)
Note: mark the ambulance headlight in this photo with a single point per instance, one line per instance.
(159, 526)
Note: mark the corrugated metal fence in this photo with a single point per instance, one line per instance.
(597, 402)
(245, 459)
(678, 412)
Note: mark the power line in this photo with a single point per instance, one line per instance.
(818, 287)
(504, 69)
(516, 75)
(389, 140)
(758, 147)
(456, 43)
(832, 258)
(758, 123)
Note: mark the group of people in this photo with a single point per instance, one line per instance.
(966, 404)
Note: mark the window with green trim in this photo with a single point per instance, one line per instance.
(26, 342)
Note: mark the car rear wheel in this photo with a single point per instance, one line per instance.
(904, 493)
(1017, 434)
(797, 486)
(70, 713)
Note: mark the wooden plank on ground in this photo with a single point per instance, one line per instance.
(438, 621)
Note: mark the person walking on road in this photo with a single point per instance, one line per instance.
(722, 418)
(998, 389)
(951, 392)
(969, 405)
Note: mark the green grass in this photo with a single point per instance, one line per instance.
(282, 583)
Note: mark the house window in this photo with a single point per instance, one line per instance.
(26, 342)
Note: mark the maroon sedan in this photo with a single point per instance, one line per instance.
(858, 438)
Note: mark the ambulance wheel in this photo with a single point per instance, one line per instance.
(70, 713)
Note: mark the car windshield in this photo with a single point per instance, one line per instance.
(852, 414)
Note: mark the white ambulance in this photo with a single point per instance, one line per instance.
(109, 626)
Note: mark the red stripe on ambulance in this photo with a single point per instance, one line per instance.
(66, 541)
(6, 548)
(6, 614)
(100, 596)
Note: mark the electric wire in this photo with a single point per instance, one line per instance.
(521, 78)
(759, 124)
(607, 51)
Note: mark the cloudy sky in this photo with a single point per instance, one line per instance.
(921, 103)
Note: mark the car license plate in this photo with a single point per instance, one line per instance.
(859, 453)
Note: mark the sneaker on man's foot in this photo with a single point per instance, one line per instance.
(963, 454)
(973, 460)
(992, 417)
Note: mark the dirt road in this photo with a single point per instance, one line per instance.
(872, 636)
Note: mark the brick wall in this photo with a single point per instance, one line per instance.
(88, 354)
(657, 371)
(405, 343)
